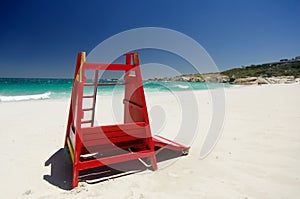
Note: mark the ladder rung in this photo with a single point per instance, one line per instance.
(86, 121)
(101, 84)
(88, 109)
(108, 84)
(89, 96)
(90, 84)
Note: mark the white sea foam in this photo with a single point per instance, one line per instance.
(25, 97)
(182, 86)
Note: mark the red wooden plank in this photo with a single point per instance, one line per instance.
(96, 66)
(112, 128)
(113, 140)
(114, 159)
(168, 142)
(139, 133)
(111, 147)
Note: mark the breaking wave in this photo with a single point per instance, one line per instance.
(25, 97)
(182, 86)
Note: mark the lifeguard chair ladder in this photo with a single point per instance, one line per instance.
(95, 146)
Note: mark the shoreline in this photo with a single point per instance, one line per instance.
(232, 86)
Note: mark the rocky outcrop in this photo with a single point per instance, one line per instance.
(266, 80)
(216, 78)
(245, 81)
(281, 80)
(210, 77)
(261, 80)
(220, 78)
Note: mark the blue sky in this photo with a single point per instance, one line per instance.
(42, 38)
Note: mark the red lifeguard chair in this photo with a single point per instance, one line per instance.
(95, 146)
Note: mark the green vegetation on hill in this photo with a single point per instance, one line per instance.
(269, 72)
(266, 70)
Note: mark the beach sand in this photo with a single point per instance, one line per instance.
(257, 155)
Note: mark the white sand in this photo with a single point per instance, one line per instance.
(257, 155)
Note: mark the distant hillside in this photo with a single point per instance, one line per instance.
(283, 72)
(275, 69)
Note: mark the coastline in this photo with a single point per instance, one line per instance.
(257, 155)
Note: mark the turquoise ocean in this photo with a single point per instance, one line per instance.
(21, 89)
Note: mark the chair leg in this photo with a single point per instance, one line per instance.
(153, 162)
(75, 177)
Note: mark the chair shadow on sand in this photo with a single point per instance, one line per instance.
(61, 169)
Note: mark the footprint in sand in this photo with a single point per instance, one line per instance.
(173, 175)
(28, 192)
